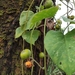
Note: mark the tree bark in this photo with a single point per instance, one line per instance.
(10, 48)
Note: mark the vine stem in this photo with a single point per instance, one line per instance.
(28, 12)
(30, 5)
(41, 4)
(67, 5)
(22, 60)
(44, 48)
(23, 39)
(32, 59)
(38, 64)
(32, 48)
(66, 13)
(71, 9)
(31, 38)
(66, 27)
(22, 68)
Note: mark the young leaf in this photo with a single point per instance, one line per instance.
(25, 16)
(61, 48)
(31, 36)
(18, 32)
(68, 20)
(46, 13)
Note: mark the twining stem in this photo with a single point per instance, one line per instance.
(23, 40)
(22, 60)
(66, 13)
(30, 5)
(28, 12)
(31, 48)
(22, 68)
(38, 64)
(66, 27)
(32, 57)
(67, 5)
(44, 48)
(41, 4)
(71, 8)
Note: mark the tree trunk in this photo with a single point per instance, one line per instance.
(10, 48)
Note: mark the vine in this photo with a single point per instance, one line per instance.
(28, 30)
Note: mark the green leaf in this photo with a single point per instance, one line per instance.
(68, 20)
(31, 36)
(25, 16)
(46, 13)
(61, 48)
(18, 32)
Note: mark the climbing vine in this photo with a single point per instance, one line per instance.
(59, 47)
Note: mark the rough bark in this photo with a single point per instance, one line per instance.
(10, 48)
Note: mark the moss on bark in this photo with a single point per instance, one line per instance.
(10, 48)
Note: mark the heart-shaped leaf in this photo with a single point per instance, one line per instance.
(18, 32)
(25, 16)
(46, 13)
(31, 36)
(61, 48)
